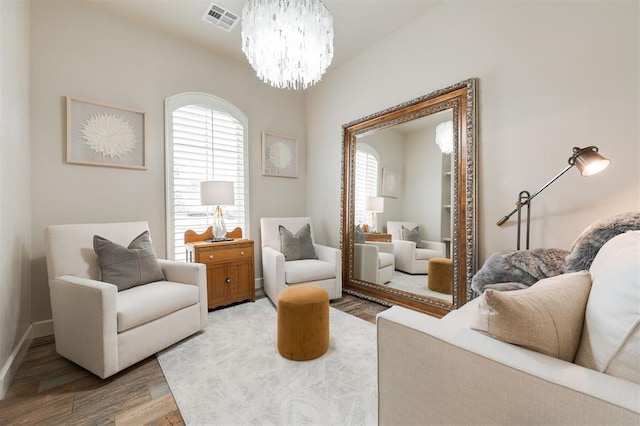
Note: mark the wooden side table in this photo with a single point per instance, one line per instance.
(381, 238)
(230, 271)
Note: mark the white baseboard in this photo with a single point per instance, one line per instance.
(259, 283)
(13, 362)
(42, 328)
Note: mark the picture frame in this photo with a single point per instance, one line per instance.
(390, 183)
(103, 134)
(279, 155)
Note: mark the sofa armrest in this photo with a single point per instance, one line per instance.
(439, 370)
(333, 256)
(382, 246)
(404, 253)
(84, 322)
(365, 262)
(435, 245)
(192, 274)
(272, 271)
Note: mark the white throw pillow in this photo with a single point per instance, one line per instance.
(546, 317)
(611, 335)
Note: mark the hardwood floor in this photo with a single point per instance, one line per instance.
(49, 390)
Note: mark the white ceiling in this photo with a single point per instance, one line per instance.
(357, 24)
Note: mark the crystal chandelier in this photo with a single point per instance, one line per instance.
(289, 43)
(444, 136)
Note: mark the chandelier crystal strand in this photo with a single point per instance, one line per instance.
(289, 43)
(444, 136)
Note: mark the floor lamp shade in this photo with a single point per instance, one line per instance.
(217, 193)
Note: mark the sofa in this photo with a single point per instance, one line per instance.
(411, 257)
(374, 262)
(107, 326)
(458, 369)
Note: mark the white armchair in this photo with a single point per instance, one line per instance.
(408, 257)
(374, 262)
(325, 271)
(105, 330)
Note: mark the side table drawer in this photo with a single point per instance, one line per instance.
(224, 255)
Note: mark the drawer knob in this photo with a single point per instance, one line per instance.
(228, 280)
(210, 256)
(241, 253)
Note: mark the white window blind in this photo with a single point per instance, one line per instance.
(366, 181)
(206, 144)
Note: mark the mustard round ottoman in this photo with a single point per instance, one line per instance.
(303, 322)
(440, 275)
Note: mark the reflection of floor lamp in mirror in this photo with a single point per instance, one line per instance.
(217, 193)
(374, 205)
(587, 160)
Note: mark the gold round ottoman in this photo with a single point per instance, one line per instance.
(303, 322)
(440, 275)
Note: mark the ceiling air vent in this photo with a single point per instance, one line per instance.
(220, 17)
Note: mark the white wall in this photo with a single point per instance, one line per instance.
(552, 75)
(79, 50)
(15, 186)
(422, 201)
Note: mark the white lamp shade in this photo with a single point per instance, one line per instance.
(375, 204)
(216, 193)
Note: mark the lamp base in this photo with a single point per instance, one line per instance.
(219, 229)
(218, 240)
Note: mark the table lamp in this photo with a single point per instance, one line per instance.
(217, 193)
(374, 205)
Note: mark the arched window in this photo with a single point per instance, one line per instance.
(366, 180)
(206, 140)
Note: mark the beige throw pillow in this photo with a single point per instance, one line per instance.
(546, 317)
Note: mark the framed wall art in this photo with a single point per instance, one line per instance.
(102, 134)
(279, 155)
(390, 183)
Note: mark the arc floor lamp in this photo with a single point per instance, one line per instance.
(587, 160)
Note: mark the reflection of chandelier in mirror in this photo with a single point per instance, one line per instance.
(444, 137)
(288, 43)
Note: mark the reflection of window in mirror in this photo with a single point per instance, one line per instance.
(367, 171)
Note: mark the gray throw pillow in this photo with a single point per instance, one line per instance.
(411, 235)
(298, 246)
(359, 235)
(127, 267)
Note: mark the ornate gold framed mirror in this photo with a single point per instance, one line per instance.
(398, 161)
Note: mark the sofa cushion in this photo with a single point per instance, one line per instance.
(359, 235)
(384, 260)
(306, 270)
(546, 317)
(126, 267)
(145, 303)
(611, 335)
(298, 246)
(411, 235)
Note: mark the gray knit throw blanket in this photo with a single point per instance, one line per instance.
(512, 270)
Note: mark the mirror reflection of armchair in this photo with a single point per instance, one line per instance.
(374, 262)
(408, 257)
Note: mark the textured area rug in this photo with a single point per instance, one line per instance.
(232, 373)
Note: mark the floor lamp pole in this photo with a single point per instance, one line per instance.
(524, 200)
